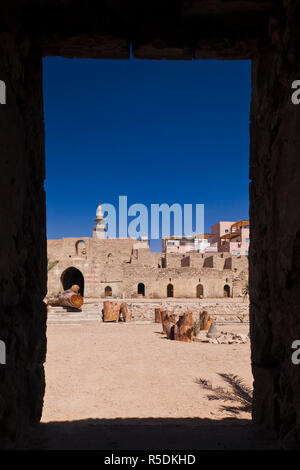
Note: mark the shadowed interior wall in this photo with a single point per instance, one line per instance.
(275, 231)
(22, 237)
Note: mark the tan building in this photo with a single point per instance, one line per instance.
(231, 237)
(126, 268)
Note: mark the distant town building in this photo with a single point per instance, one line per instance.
(225, 237)
(175, 244)
(231, 237)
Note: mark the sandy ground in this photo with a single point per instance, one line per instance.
(125, 386)
(126, 370)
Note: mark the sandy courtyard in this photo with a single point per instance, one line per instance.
(128, 370)
(125, 386)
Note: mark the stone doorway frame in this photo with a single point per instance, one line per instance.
(265, 32)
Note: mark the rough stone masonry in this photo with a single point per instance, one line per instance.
(266, 32)
(126, 268)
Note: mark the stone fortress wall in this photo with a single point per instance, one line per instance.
(126, 268)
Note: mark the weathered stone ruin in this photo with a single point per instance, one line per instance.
(158, 311)
(126, 268)
(125, 315)
(224, 337)
(111, 311)
(178, 328)
(205, 320)
(213, 332)
(267, 32)
(165, 320)
(114, 312)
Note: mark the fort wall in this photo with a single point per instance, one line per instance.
(119, 268)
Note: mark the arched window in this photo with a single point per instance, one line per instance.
(226, 291)
(141, 289)
(108, 291)
(72, 276)
(170, 290)
(199, 291)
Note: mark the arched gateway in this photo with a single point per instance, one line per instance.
(72, 276)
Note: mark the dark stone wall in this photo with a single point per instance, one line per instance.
(265, 31)
(155, 29)
(275, 230)
(22, 236)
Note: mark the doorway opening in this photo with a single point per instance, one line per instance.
(226, 290)
(141, 289)
(108, 291)
(135, 345)
(199, 291)
(170, 290)
(73, 276)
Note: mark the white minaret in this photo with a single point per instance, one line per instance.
(100, 227)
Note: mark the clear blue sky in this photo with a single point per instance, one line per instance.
(156, 131)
